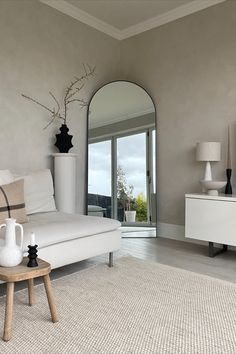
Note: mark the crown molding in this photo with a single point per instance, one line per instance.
(84, 17)
(172, 15)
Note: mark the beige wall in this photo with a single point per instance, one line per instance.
(41, 50)
(189, 68)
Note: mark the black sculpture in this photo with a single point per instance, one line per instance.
(63, 142)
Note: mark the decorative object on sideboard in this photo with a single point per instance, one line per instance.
(208, 152)
(71, 95)
(228, 188)
(11, 254)
(32, 252)
(212, 187)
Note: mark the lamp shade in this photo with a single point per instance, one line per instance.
(208, 151)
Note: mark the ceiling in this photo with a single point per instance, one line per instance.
(122, 19)
(118, 101)
(123, 14)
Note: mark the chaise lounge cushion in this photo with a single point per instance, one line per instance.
(12, 203)
(39, 192)
(55, 227)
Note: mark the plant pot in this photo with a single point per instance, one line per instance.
(130, 216)
(63, 142)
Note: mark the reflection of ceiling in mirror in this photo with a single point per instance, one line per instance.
(118, 101)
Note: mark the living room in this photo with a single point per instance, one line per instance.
(134, 275)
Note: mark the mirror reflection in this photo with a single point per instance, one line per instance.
(122, 157)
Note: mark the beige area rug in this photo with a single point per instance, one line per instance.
(135, 307)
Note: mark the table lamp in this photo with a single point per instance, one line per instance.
(208, 152)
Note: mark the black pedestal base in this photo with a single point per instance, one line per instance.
(213, 252)
(32, 255)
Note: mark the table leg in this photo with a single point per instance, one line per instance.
(8, 312)
(110, 259)
(31, 292)
(51, 301)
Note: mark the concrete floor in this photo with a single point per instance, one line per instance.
(178, 254)
(138, 231)
(185, 255)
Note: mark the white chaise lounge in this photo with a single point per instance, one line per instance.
(69, 238)
(62, 238)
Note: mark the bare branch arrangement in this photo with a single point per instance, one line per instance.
(71, 95)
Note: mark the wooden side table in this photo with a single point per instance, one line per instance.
(20, 273)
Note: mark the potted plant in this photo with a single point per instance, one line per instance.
(130, 214)
(71, 95)
(125, 196)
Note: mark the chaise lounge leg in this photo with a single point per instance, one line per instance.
(110, 259)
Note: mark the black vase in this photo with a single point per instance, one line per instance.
(228, 188)
(63, 142)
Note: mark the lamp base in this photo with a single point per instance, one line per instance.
(208, 174)
(213, 192)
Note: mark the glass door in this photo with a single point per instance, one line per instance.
(132, 179)
(100, 180)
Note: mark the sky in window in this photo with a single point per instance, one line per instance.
(131, 153)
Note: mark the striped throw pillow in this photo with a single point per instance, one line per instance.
(12, 204)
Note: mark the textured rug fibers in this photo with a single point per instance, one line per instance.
(134, 307)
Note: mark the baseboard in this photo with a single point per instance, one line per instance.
(177, 232)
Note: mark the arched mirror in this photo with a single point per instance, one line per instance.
(122, 157)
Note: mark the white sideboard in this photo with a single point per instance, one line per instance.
(212, 219)
(65, 181)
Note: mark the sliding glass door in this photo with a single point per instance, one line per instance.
(132, 188)
(121, 181)
(100, 179)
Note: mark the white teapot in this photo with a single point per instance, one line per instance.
(11, 254)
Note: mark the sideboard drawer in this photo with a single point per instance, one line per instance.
(211, 220)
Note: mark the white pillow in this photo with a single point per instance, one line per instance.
(6, 177)
(39, 192)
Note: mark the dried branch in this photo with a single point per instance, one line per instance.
(55, 114)
(35, 101)
(81, 101)
(77, 89)
(51, 121)
(57, 103)
(87, 74)
(42, 105)
(69, 97)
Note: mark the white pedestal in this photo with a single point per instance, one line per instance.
(65, 181)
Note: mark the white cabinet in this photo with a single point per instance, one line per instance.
(65, 182)
(211, 219)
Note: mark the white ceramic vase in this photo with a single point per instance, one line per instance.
(11, 254)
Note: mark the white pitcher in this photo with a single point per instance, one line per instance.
(11, 255)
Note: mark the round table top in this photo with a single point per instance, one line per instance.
(22, 272)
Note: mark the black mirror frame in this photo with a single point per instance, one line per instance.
(87, 128)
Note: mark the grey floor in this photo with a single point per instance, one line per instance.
(179, 254)
(138, 231)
